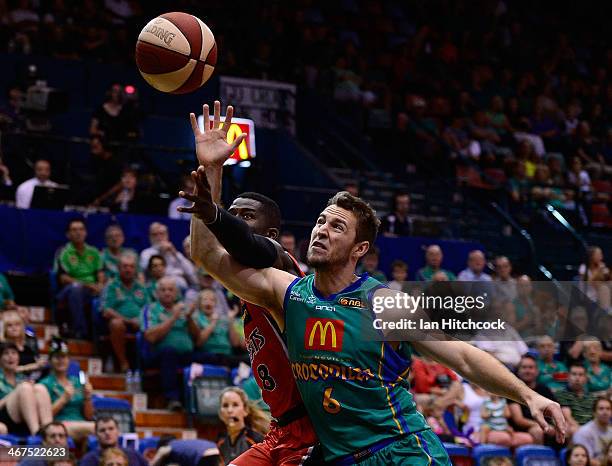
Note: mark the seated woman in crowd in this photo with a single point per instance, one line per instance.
(577, 455)
(600, 376)
(24, 406)
(156, 269)
(15, 332)
(114, 457)
(71, 399)
(245, 424)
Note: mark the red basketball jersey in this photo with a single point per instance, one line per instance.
(269, 359)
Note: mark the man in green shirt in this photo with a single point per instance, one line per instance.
(165, 327)
(79, 272)
(576, 402)
(122, 301)
(433, 258)
(7, 298)
(552, 373)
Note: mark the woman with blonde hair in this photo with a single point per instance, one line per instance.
(114, 457)
(246, 424)
(14, 331)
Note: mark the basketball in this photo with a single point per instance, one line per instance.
(176, 53)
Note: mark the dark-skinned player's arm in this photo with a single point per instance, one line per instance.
(234, 234)
(264, 287)
(477, 366)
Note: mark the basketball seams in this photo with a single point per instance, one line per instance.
(175, 52)
(193, 53)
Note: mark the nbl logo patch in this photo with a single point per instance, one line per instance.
(324, 334)
(352, 302)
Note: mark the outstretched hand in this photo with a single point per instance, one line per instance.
(542, 408)
(212, 148)
(203, 206)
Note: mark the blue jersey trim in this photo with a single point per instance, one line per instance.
(426, 448)
(352, 287)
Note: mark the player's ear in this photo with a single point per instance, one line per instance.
(273, 233)
(361, 248)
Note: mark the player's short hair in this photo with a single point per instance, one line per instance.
(367, 221)
(269, 208)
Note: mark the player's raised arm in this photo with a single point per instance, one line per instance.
(265, 287)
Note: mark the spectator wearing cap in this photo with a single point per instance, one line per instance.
(369, 264)
(598, 373)
(576, 402)
(121, 304)
(114, 238)
(165, 327)
(24, 407)
(433, 260)
(177, 265)
(7, 298)
(79, 272)
(54, 434)
(71, 399)
(520, 415)
(107, 433)
(551, 373)
(596, 434)
(398, 222)
(25, 191)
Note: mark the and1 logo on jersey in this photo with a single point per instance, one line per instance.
(317, 332)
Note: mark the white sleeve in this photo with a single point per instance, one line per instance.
(172, 212)
(23, 196)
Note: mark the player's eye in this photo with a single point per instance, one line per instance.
(320, 221)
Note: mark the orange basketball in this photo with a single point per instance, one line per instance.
(176, 53)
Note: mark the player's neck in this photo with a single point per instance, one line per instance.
(329, 282)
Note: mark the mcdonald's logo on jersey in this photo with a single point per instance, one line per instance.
(324, 334)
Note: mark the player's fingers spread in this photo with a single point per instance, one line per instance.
(229, 113)
(206, 115)
(217, 117)
(194, 124)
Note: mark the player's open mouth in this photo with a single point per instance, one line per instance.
(318, 244)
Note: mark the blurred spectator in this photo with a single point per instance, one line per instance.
(287, 241)
(471, 405)
(604, 328)
(518, 184)
(431, 377)
(579, 178)
(7, 298)
(495, 414)
(352, 187)
(125, 196)
(505, 284)
(595, 435)
(188, 186)
(475, 270)
(25, 341)
(399, 273)
(108, 120)
(607, 455)
(594, 262)
(114, 249)
(520, 415)
(164, 323)
(599, 374)
(177, 265)
(106, 165)
(25, 191)
(576, 330)
(552, 373)
(433, 259)
(194, 452)
(107, 433)
(575, 401)
(369, 264)
(24, 407)
(577, 455)
(113, 457)
(5, 173)
(245, 424)
(54, 434)
(206, 281)
(71, 400)
(121, 304)
(215, 334)
(398, 222)
(79, 273)
(506, 345)
(156, 269)
(525, 309)
(459, 141)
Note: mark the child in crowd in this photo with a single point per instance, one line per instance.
(435, 418)
(495, 414)
(399, 272)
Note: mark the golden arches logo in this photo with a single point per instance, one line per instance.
(323, 334)
(233, 132)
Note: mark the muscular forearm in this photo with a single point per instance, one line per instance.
(214, 175)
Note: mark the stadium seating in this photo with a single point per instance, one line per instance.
(202, 393)
(536, 455)
(482, 453)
